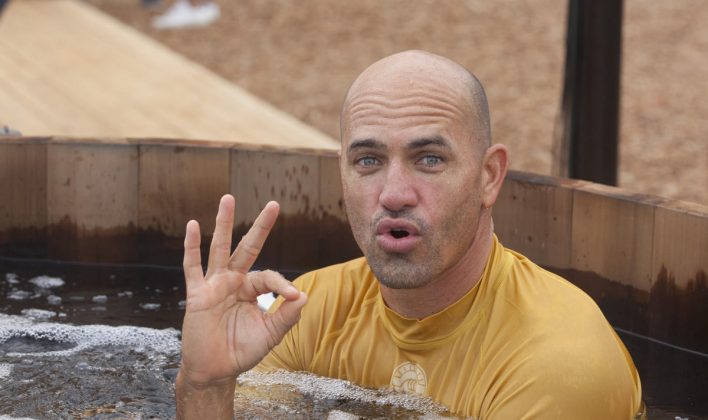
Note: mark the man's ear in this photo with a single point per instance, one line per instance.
(495, 164)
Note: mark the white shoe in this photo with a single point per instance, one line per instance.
(183, 15)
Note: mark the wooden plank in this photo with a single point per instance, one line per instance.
(680, 242)
(331, 202)
(114, 81)
(23, 192)
(93, 186)
(293, 181)
(92, 201)
(178, 184)
(612, 234)
(335, 239)
(533, 215)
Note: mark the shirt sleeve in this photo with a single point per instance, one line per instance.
(582, 374)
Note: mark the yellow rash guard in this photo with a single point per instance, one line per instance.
(523, 343)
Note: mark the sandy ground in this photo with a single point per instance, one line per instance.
(302, 55)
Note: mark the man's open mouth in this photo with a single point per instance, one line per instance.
(398, 233)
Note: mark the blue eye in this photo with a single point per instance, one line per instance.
(431, 160)
(367, 161)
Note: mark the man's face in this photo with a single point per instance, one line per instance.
(411, 177)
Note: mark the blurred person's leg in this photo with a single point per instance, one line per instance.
(188, 13)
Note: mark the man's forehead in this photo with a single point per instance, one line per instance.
(415, 83)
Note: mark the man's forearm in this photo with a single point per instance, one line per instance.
(204, 402)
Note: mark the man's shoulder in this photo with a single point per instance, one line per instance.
(538, 289)
(543, 304)
(566, 347)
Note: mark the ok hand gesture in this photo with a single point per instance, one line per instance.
(224, 332)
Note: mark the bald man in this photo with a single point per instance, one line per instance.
(437, 306)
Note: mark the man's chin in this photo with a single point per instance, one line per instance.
(397, 272)
(397, 282)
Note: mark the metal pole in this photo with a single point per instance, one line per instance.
(589, 118)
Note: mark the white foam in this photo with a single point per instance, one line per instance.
(11, 278)
(54, 300)
(335, 389)
(341, 415)
(150, 306)
(38, 314)
(5, 370)
(87, 336)
(47, 282)
(19, 294)
(127, 293)
(2, 417)
(99, 299)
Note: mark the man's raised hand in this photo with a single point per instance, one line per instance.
(224, 332)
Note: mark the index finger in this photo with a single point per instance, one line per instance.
(251, 244)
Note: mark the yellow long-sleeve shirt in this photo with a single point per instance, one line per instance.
(523, 343)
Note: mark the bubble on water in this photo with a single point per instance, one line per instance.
(82, 366)
(19, 294)
(11, 278)
(38, 314)
(338, 389)
(54, 300)
(182, 304)
(127, 293)
(99, 299)
(5, 370)
(155, 342)
(47, 282)
(150, 306)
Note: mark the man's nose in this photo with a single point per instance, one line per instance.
(398, 191)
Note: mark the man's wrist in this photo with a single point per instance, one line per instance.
(214, 400)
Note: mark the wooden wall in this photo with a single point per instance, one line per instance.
(614, 234)
(129, 200)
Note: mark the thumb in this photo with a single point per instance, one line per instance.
(287, 315)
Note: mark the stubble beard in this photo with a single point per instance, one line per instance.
(400, 271)
(404, 271)
(424, 264)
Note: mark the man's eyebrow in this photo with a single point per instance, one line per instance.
(427, 141)
(365, 144)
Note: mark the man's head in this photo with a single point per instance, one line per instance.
(419, 173)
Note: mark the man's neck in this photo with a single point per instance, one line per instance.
(449, 287)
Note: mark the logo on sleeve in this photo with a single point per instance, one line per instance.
(410, 378)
